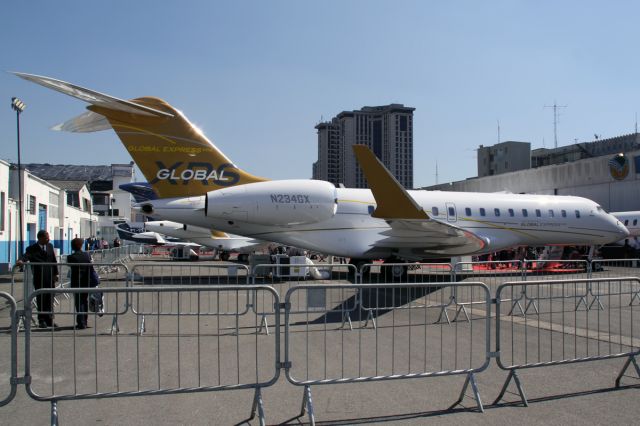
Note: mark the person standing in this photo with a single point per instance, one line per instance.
(80, 278)
(44, 276)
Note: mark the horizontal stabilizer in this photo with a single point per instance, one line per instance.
(93, 97)
(85, 123)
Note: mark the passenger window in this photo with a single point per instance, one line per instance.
(452, 212)
(564, 213)
(434, 211)
(578, 214)
(511, 213)
(496, 212)
(482, 211)
(551, 214)
(371, 209)
(538, 213)
(626, 222)
(467, 211)
(635, 222)
(525, 213)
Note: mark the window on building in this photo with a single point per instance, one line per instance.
(467, 211)
(538, 213)
(525, 213)
(496, 212)
(54, 211)
(32, 204)
(512, 213)
(482, 211)
(578, 214)
(435, 211)
(564, 213)
(86, 206)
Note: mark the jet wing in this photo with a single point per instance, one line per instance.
(411, 226)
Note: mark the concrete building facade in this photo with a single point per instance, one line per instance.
(504, 157)
(387, 130)
(611, 180)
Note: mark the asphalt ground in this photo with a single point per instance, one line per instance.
(208, 345)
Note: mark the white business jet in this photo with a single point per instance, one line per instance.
(198, 185)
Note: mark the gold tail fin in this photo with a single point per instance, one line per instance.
(174, 155)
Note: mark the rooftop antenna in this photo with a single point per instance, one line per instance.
(498, 131)
(555, 107)
(436, 172)
(636, 122)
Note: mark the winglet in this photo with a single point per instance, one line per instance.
(394, 202)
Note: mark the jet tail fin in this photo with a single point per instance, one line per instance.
(174, 155)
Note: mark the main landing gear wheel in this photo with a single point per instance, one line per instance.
(394, 270)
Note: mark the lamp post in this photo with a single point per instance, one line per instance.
(18, 106)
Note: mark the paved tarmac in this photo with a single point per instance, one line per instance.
(215, 350)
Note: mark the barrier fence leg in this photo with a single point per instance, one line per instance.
(632, 359)
(346, 318)
(513, 375)
(54, 413)
(307, 405)
(258, 405)
(115, 328)
(264, 324)
(471, 379)
(143, 327)
(635, 296)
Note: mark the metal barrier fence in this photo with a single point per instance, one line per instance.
(183, 317)
(43, 275)
(285, 277)
(409, 273)
(409, 341)
(7, 322)
(173, 273)
(180, 353)
(563, 329)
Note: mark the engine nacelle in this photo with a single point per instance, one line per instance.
(281, 203)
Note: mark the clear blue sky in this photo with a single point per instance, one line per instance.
(257, 76)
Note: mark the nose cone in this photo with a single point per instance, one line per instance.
(618, 230)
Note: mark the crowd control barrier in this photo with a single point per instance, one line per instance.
(284, 277)
(180, 353)
(408, 343)
(172, 273)
(9, 353)
(563, 329)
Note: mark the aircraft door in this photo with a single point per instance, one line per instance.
(452, 214)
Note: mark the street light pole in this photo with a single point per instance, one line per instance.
(18, 106)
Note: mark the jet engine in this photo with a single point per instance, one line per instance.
(279, 203)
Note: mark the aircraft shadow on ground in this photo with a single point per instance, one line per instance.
(375, 303)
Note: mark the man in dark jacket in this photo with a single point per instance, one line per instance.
(44, 276)
(80, 277)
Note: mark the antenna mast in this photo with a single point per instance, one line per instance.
(498, 131)
(555, 107)
(436, 172)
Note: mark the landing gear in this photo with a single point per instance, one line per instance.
(243, 257)
(224, 256)
(394, 270)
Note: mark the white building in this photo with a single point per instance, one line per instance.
(64, 214)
